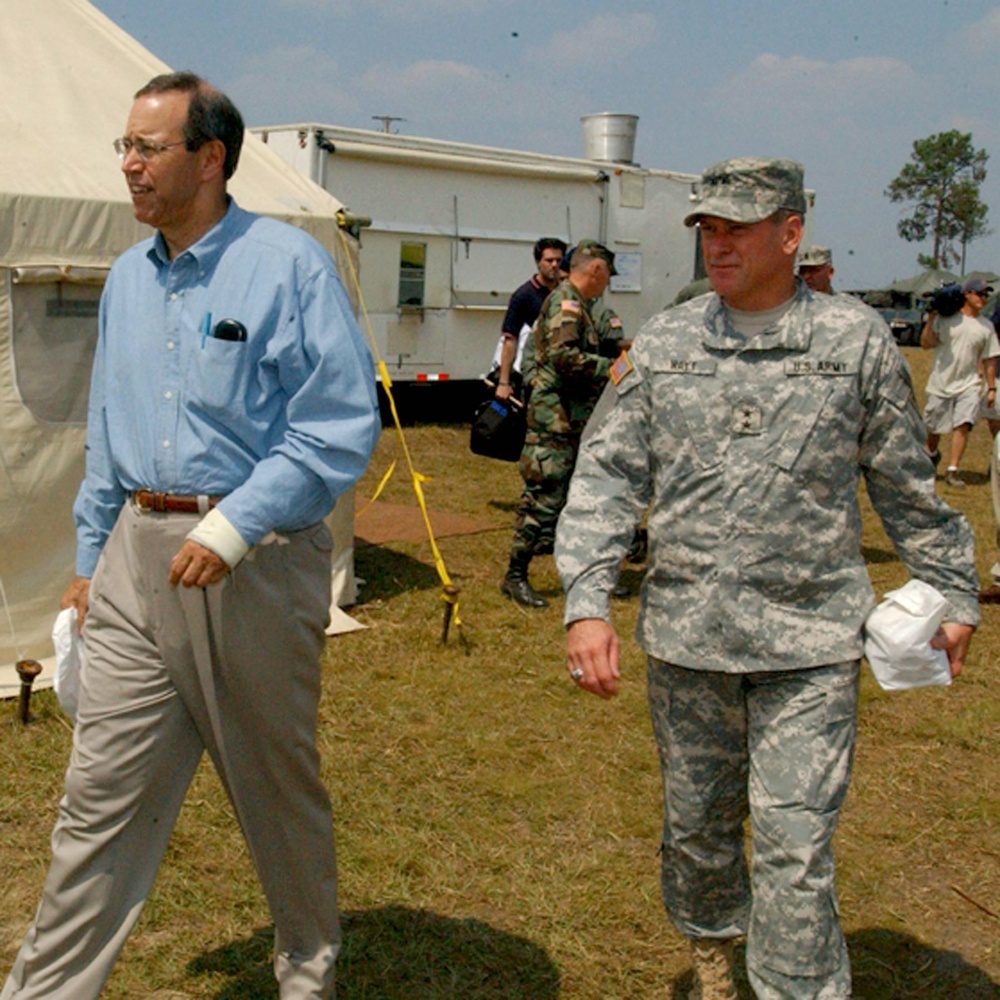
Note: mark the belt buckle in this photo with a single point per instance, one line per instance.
(137, 505)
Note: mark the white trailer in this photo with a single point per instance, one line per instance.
(452, 228)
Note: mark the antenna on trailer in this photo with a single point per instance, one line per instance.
(386, 121)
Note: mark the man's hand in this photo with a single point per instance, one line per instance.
(592, 647)
(954, 638)
(504, 392)
(77, 596)
(196, 566)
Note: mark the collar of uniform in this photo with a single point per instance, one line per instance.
(208, 249)
(791, 333)
(570, 289)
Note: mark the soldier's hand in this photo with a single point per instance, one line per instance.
(954, 639)
(196, 566)
(592, 656)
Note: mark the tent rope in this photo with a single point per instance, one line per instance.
(449, 592)
(19, 652)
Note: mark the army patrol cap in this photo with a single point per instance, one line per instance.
(749, 190)
(594, 249)
(815, 256)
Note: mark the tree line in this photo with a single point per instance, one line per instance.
(942, 181)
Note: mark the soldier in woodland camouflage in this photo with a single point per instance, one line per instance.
(567, 373)
(745, 420)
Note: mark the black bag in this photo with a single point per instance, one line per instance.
(498, 430)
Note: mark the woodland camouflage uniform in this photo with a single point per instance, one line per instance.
(568, 374)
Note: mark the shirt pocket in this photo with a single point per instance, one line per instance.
(816, 426)
(690, 426)
(220, 370)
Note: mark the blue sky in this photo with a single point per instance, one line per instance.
(844, 87)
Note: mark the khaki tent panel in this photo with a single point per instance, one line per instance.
(68, 74)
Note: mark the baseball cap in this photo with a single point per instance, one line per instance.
(815, 256)
(977, 285)
(750, 189)
(594, 249)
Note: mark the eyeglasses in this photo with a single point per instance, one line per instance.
(144, 149)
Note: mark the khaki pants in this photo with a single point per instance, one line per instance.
(232, 669)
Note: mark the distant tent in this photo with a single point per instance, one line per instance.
(988, 276)
(926, 281)
(67, 74)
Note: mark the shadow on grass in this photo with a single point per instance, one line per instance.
(388, 573)
(887, 965)
(397, 953)
(507, 506)
(894, 966)
(871, 555)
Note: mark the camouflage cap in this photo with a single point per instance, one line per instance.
(815, 256)
(750, 189)
(594, 249)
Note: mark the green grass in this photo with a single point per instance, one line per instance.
(498, 829)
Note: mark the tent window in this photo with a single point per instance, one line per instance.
(412, 261)
(55, 333)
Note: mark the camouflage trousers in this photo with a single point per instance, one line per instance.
(546, 466)
(777, 748)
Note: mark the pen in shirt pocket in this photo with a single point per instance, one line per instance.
(206, 328)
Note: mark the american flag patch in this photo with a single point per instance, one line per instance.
(615, 323)
(621, 367)
(570, 306)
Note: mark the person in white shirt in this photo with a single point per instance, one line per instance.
(964, 345)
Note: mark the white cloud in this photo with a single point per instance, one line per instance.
(981, 37)
(409, 9)
(334, 6)
(428, 79)
(605, 39)
(292, 85)
(818, 88)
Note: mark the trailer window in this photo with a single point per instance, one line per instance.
(412, 258)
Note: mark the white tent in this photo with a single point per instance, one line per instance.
(67, 75)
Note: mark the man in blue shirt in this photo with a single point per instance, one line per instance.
(232, 401)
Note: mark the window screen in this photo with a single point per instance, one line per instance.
(54, 335)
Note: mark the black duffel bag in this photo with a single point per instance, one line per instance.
(498, 429)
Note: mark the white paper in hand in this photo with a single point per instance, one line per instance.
(898, 634)
(69, 661)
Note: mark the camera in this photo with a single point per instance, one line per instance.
(946, 300)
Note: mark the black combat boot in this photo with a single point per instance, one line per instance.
(515, 584)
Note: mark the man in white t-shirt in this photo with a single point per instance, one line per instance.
(964, 346)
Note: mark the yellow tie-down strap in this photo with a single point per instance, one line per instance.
(449, 592)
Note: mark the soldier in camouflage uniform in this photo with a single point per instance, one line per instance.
(746, 419)
(567, 374)
(816, 269)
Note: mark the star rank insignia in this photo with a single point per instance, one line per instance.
(747, 418)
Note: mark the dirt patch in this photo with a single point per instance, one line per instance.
(381, 522)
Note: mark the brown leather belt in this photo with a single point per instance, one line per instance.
(172, 503)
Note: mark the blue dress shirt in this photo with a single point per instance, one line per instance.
(281, 422)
